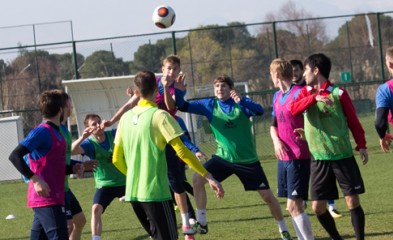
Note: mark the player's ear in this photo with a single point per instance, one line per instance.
(137, 92)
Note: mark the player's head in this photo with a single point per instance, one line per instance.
(280, 69)
(297, 67)
(93, 120)
(222, 87)
(67, 108)
(171, 67)
(389, 59)
(320, 62)
(51, 102)
(145, 84)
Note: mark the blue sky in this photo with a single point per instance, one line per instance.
(99, 19)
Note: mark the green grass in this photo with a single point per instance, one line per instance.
(240, 215)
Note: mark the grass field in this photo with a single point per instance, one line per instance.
(240, 215)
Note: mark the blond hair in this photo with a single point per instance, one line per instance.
(282, 67)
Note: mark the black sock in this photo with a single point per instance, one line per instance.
(358, 222)
(329, 225)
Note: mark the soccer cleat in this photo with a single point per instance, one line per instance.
(286, 236)
(199, 228)
(187, 230)
(335, 213)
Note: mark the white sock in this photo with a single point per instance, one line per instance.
(201, 216)
(96, 237)
(184, 219)
(282, 226)
(298, 233)
(304, 225)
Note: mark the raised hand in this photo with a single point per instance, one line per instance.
(180, 83)
(235, 96)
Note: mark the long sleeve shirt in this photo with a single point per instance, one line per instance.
(307, 98)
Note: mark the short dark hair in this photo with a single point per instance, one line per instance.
(51, 102)
(145, 81)
(321, 61)
(297, 62)
(225, 79)
(90, 116)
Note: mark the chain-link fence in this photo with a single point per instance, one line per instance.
(355, 44)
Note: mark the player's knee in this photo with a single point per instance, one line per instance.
(198, 181)
(97, 209)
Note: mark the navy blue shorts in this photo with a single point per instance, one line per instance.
(325, 173)
(176, 170)
(105, 195)
(293, 178)
(51, 221)
(251, 175)
(72, 206)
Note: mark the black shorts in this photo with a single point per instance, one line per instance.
(176, 170)
(324, 174)
(251, 175)
(105, 195)
(157, 218)
(72, 206)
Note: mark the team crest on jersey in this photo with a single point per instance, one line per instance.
(229, 124)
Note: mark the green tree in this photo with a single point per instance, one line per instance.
(103, 64)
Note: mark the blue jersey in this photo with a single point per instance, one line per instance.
(187, 142)
(89, 149)
(205, 106)
(39, 141)
(384, 96)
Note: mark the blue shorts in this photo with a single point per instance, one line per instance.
(51, 221)
(105, 195)
(72, 206)
(251, 175)
(176, 170)
(293, 178)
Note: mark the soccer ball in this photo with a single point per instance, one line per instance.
(164, 16)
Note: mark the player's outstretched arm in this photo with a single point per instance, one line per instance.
(132, 102)
(76, 145)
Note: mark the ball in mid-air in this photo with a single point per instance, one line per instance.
(164, 16)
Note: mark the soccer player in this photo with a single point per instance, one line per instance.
(97, 144)
(293, 156)
(76, 219)
(228, 114)
(384, 105)
(329, 115)
(165, 100)
(298, 69)
(46, 149)
(142, 136)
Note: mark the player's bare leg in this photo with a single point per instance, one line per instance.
(79, 221)
(275, 210)
(96, 221)
(201, 201)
